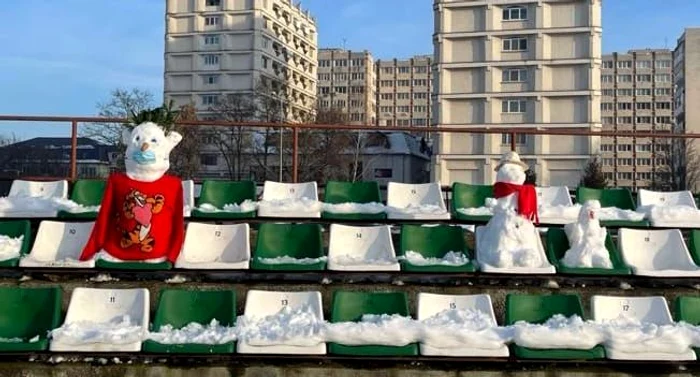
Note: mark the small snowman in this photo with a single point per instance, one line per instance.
(587, 240)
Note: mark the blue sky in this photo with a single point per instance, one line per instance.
(62, 57)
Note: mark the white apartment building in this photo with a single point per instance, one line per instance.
(217, 47)
(521, 65)
(346, 82)
(404, 91)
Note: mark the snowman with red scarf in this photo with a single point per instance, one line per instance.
(510, 237)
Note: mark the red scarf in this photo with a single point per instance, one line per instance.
(527, 198)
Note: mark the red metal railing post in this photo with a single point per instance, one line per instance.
(295, 154)
(512, 141)
(74, 151)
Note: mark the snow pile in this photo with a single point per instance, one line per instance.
(632, 336)
(570, 213)
(296, 205)
(383, 329)
(73, 207)
(19, 340)
(195, 333)
(247, 206)
(587, 240)
(451, 258)
(105, 256)
(121, 330)
(563, 213)
(371, 208)
(454, 328)
(476, 211)
(558, 332)
(614, 213)
(41, 205)
(509, 240)
(423, 209)
(290, 326)
(289, 260)
(10, 247)
(66, 262)
(671, 214)
(355, 260)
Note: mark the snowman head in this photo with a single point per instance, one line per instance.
(510, 169)
(148, 151)
(589, 212)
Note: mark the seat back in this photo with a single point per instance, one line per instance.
(361, 242)
(688, 310)
(260, 304)
(657, 198)
(646, 249)
(652, 309)
(402, 195)
(15, 229)
(293, 240)
(53, 189)
(554, 196)
(470, 196)
(179, 307)
(88, 192)
(220, 193)
(283, 191)
(188, 193)
(28, 312)
(430, 304)
(207, 243)
(538, 309)
(432, 241)
(352, 192)
(613, 197)
(57, 240)
(102, 305)
(351, 306)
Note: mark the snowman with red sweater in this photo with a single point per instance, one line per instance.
(141, 216)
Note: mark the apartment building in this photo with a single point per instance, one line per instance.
(517, 65)
(637, 95)
(346, 82)
(404, 90)
(217, 47)
(686, 71)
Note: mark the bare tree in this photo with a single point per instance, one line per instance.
(232, 142)
(184, 159)
(682, 171)
(121, 104)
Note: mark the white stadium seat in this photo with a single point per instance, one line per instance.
(188, 193)
(651, 309)
(545, 268)
(430, 304)
(416, 201)
(554, 196)
(361, 243)
(661, 253)
(53, 189)
(674, 198)
(214, 246)
(301, 200)
(261, 304)
(105, 306)
(59, 244)
(674, 209)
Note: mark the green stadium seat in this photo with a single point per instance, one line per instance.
(694, 245)
(352, 192)
(15, 229)
(558, 244)
(28, 314)
(434, 242)
(612, 197)
(351, 306)
(87, 192)
(179, 307)
(470, 196)
(538, 309)
(687, 309)
(220, 193)
(291, 240)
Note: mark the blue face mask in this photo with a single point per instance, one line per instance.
(144, 157)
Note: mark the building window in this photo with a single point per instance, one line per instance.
(663, 64)
(515, 75)
(643, 92)
(388, 70)
(624, 106)
(624, 64)
(608, 120)
(513, 106)
(608, 175)
(340, 89)
(209, 99)
(265, 61)
(265, 42)
(340, 76)
(663, 105)
(211, 21)
(643, 105)
(607, 78)
(211, 59)
(340, 63)
(211, 79)
(357, 89)
(383, 173)
(324, 90)
(608, 161)
(403, 109)
(644, 161)
(520, 139)
(404, 70)
(643, 120)
(624, 120)
(515, 44)
(403, 83)
(209, 159)
(518, 13)
(643, 148)
(420, 69)
(643, 64)
(643, 78)
(624, 161)
(387, 109)
(213, 3)
(324, 76)
(211, 40)
(387, 83)
(357, 76)
(387, 96)
(324, 63)
(608, 64)
(420, 109)
(665, 77)
(624, 78)
(624, 92)
(420, 95)
(662, 91)
(606, 147)
(606, 106)
(663, 120)
(419, 122)
(608, 92)
(624, 147)
(403, 95)
(420, 82)
(357, 62)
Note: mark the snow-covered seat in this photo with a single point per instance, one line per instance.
(430, 304)
(290, 200)
(544, 268)
(673, 198)
(660, 252)
(52, 189)
(675, 209)
(33, 199)
(416, 201)
(260, 304)
(361, 248)
(214, 246)
(651, 309)
(188, 193)
(59, 244)
(104, 320)
(555, 205)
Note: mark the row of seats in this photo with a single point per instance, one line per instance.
(643, 252)
(29, 314)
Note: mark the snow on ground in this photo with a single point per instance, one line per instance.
(674, 214)
(454, 328)
(451, 258)
(10, 247)
(196, 333)
(121, 330)
(558, 332)
(423, 209)
(289, 260)
(509, 240)
(372, 208)
(292, 327)
(384, 329)
(246, 206)
(303, 205)
(103, 255)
